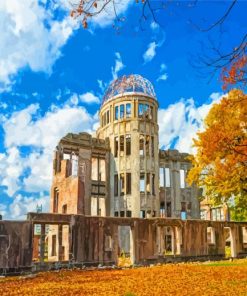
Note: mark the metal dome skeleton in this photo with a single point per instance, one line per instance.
(127, 84)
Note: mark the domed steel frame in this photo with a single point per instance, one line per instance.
(129, 83)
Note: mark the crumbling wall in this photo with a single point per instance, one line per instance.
(15, 244)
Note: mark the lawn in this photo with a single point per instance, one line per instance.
(223, 278)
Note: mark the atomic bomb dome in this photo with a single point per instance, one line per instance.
(129, 84)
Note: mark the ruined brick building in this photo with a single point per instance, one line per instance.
(121, 172)
(117, 191)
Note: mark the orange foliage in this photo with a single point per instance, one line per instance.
(220, 164)
(178, 279)
(235, 73)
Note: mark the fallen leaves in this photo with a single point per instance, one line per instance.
(227, 278)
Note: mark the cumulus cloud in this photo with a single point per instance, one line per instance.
(150, 53)
(118, 66)
(89, 98)
(179, 123)
(21, 205)
(163, 75)
(108, 14)
(30, 37)
(27, 129)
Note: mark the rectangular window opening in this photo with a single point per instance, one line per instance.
(128, 110)
(148, 183)
(121, 111)
(128, 144)
(153, 184)
(141, 144)
(121, 143)
(116, 146)
(122, 184)
(128, 183)
(116, 185)
(167, 177)
(147, 145)
(128, 214)
(140, 110)
(116, 113)
(142, 183)
(161, 177)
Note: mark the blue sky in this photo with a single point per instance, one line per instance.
(53, 74)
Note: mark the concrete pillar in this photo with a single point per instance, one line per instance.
(173, 246)
(60, 242)
(132, 245)
(233, 242)
(178, 238)
(42, 243)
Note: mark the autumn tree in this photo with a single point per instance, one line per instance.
(220, 163)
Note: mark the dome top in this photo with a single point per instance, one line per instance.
(129, 83)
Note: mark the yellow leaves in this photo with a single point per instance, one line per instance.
(179, 279)
(220, 164)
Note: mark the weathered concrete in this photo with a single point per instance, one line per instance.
(95, 240)
(16, 240)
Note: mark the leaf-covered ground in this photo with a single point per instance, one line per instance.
(223, 278)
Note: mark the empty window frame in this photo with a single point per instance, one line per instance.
(141, 144)
(152, 146)
(115, 185)
(182, 178)
(116, 214)
(122, 111)
(102, 170)
(146, 111)
(162, 179)
(64, 209)
(128, 144)
(122, 184)
(148, 183)
(142, 214)
(116, 146)
(116, 113)
(55, 200)
(151, 115)
(142, 182)
(167, 177)
(121, 143)
(122, 214)
(153, 184)
(140, 110)
(147, 144)
(183, 206)
(211, 235)
(107, 116)
(128, 110)
(74, 165)
(94, 173)
(128, 214)
(128, 183)
(54, 245)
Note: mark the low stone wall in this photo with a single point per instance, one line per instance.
(96, 240)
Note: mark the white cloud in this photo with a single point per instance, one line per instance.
(154, 26)
(21, 205)
(118, 66)
(150, 52)
(30, 37)
(163, 77)
(89, 98)
(108, 14)
(179, 123)
(26, 128)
